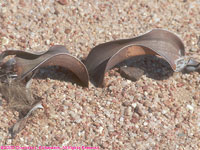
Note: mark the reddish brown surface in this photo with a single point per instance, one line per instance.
(169, 106)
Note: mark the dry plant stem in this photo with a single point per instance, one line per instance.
(22, 122)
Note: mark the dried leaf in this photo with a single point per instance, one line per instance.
(23, 67)
(156, 42)
(27, 63)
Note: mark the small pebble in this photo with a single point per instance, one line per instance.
(100, 130)
(138, 111)
(198, 42)
(131, 73)
(4, 41)
(134, 118)
(67, 31)
(126, 103)
(134, 105)
(145, 123)
(190, 107)
(63, 2)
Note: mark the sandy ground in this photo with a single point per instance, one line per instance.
(159, 111)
